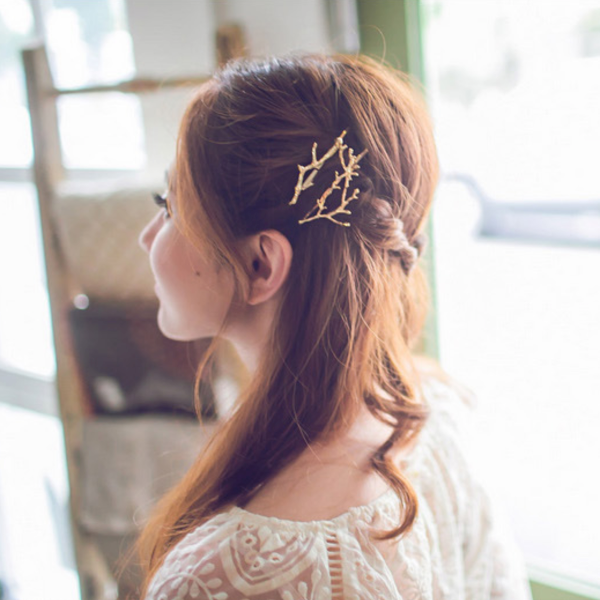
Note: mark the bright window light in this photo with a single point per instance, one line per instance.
(514, 89)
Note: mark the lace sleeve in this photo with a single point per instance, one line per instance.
(240, 560)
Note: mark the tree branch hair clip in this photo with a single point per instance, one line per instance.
(342, 180)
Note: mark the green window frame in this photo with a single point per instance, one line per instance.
(391, 30)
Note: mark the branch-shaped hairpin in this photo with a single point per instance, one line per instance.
(350, 168)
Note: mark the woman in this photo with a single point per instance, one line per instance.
(292, 227)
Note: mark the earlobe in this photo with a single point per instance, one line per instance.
(271, 258)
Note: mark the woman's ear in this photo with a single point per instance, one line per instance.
(269, 254)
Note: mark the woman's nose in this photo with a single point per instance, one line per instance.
(148, 234)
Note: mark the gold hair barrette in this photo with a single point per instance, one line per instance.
(350, 166)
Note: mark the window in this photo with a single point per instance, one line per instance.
(514, 90)
(88, 43)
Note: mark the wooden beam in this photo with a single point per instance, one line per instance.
(132, 86)
(47, 172)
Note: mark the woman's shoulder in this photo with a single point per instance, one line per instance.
(443, 391)
(237, 554)
(451, 405)
(443, 445)
(189, 569)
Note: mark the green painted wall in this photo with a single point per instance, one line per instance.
(391, 30)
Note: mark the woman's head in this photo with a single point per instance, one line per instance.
(243, 138)
(350, 305)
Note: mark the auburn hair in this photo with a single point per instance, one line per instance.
(352, 309)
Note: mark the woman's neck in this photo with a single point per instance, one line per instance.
(250, 332)
(329, 477)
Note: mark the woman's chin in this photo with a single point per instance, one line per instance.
(169, 329)
(177, 331)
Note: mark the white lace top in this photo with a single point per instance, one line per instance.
(455, 550)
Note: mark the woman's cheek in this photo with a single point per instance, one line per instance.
(162, 256)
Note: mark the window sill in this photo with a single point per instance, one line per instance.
(547, 584)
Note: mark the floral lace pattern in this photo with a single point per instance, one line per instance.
(455, 549)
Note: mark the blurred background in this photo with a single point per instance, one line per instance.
(514, 90)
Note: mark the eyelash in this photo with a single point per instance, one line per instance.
(161, 201)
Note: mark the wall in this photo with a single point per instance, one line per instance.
(177, 39)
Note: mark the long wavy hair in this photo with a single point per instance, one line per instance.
(352, 307)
